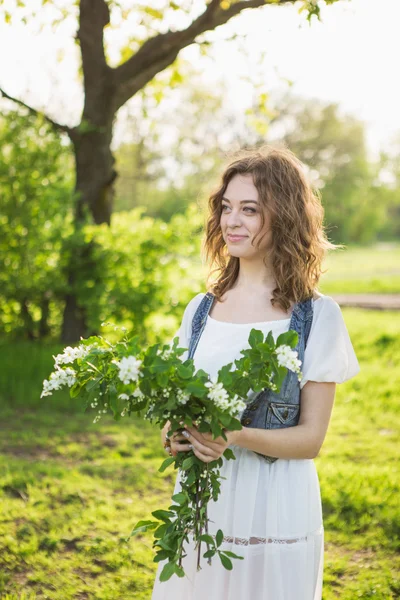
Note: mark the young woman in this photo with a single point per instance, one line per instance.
(265, 236)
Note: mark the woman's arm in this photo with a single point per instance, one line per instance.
(305, 439)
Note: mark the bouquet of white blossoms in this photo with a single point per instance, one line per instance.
(124, 379)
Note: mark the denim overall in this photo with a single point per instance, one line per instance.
(267, 409)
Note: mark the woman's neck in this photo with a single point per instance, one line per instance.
(254, 275)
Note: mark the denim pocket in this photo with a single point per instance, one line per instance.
(282, 414)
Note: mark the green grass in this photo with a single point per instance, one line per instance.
(70, 491)
(355, 270)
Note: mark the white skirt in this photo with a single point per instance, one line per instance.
(270, 514)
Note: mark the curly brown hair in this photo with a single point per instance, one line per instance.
(298, 242)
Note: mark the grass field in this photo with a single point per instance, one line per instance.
(355, 270)
(71, 491)
(363, 270)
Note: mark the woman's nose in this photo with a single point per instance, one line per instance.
(233, 219)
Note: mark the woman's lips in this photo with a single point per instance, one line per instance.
(236, 238)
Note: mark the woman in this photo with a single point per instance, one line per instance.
(265, 235)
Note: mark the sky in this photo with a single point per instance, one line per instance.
(350, 58)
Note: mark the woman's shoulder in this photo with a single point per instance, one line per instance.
(323, 300)
(326, 308)
(193, 304)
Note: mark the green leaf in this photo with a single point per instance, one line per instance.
(232, 554)
(162, 379)
(229, 454)
(191, 478)
(142, 526)
(197, 389)
(204, 427)
(188, 462)
(219, 537)
(75, 389)
(256, 337)
(163, 544)
(168, 461)
(180, 498)
(163, 515)
(159, 366)
(161, 555)
(216, 429)
(89, 386)
(185, 372)
(168, 571)
(179, 571)
(207, 538)
(289, 338)
(235, 425)
(225, 420)
(227, 563)
(209, 554)
(160, 531)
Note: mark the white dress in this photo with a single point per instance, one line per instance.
(269, 513)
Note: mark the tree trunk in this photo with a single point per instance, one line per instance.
(95, 176)
(44, 328)
(28, 320)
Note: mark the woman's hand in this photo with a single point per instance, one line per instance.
(179, 443)
(205, 447)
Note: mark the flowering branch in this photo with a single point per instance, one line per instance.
(125, 379)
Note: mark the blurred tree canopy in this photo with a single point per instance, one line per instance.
(334, 148)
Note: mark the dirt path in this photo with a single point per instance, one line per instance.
(373, 301)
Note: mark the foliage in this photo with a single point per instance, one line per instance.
(137, 266)
(35, 215)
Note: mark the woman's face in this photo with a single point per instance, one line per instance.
(241, 216)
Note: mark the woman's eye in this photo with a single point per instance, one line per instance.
(252, 210)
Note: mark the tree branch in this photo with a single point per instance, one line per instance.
(33, 111)
(94, 16)
(160, 51)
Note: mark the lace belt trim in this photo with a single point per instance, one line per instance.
(256, 540)
(259, 540)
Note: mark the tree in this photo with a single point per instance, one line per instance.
(333, 147)
(107, 89)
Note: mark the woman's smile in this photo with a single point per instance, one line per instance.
(236, 238)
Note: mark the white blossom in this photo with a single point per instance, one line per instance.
(57, 379)
(70, 354)
(165, 354)
(182, 397)
(138, 394)
(129, 369)
(221, 398)
(288, 358)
